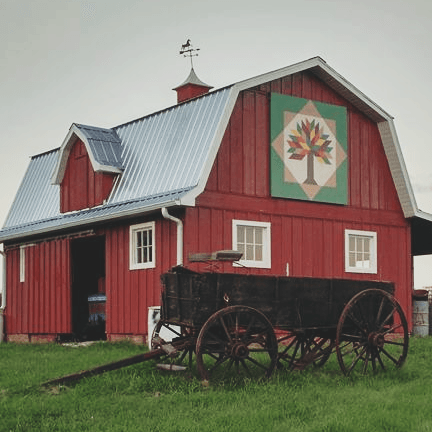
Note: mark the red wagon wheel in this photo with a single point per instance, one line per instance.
(181, 336)
(237, 341)
(372, 333)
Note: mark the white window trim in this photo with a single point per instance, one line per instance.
(373, 269)
(22, 263)
(133, 265)
(266, 262)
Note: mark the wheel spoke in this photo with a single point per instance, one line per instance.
(219, 361)
(349, 337)
(245, 367)
(236, 334)
(248, 329)
(172, 330)
(390, 315)
(392, 329)
(222, 321)
(213, 352)
(355, 361)
(389, 355)
(254, 361)
(380, 360)
(215, 338)
(289, 346)
(373, 361)
(183, 355)
(294, 354)
(356, 322)
(380, 309)
(395, 343)
(365, 366)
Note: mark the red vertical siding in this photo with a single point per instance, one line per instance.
(40, 304)
(307, 236)
(131, 292)
(82, 187)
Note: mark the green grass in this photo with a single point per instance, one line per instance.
(141, 398)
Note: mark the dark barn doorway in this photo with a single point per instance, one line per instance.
(88, 288)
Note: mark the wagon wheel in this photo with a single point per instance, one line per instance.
(180, 336)
(372, 333)
(300, 350)
(237, 341)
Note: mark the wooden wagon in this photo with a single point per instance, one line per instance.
(246, 325)
(249, 324)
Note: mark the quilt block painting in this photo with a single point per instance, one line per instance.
(308, 150)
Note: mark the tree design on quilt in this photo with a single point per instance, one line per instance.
(310, 141)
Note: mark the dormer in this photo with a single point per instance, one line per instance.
(89, 162)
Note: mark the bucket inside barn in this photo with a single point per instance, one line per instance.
(420, 313)
(96, 322)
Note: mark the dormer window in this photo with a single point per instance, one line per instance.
(89, 162)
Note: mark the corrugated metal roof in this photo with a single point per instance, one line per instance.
(36, 198)
(163, 156)
(166, 151)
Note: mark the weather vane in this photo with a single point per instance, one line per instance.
(189, 51)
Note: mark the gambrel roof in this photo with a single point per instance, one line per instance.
(165, 159)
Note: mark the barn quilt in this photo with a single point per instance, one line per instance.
(308, 150)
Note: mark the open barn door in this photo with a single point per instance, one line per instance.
(88, 288)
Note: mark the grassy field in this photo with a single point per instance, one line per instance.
(141, 398)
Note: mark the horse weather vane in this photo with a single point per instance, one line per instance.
(189, 51)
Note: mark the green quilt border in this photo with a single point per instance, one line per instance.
(280, 103)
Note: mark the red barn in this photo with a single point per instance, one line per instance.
(296, 168)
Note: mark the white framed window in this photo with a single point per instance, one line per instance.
(360, 251)
(142, 248)
(253, 240)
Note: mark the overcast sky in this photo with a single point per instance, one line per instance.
(105, 62)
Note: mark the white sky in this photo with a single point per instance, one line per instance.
(105, 62)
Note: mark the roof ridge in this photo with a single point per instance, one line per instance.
(45, 153)
(173, 106)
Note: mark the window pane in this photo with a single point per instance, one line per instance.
(249, 252)
(259, 236)
(352, 259)
(258, 253)
(241, 248)
(249, 235)
(366, 260)
(360, 244)
(240, 234)
(352, 243)
(366, 241)
(139, 238)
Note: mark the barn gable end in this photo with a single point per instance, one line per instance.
(81, 186)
